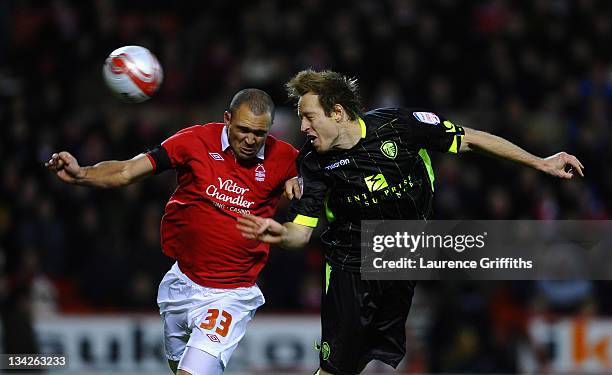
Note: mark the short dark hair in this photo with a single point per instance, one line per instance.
(259, 102)
(331, 87)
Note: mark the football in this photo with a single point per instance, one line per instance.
(132, 73)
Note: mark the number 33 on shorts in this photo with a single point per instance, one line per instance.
(212, 322)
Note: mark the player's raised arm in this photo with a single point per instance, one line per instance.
(560, 165)
(106, 174)
(287, 235)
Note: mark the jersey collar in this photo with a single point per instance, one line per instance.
(260, 154)
(363, 127)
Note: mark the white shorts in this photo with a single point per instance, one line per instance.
(210, 319)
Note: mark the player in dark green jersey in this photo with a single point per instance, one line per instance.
(369, 166)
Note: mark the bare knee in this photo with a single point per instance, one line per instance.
(182, 372)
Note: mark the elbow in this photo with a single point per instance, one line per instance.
(110, 184)
(304, 239)
(471, 140)
(296, 244)
(466, 147)
(295, 236)
(296, 239)
(130, 172)
(302, 242)
(124, 178)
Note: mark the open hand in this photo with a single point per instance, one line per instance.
(259, 228)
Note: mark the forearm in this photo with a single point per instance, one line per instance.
(493, 145)
(295, 236)
(106, 174)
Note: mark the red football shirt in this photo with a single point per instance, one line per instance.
(198, 228)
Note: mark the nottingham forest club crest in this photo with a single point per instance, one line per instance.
(389, 149)
(260, 173)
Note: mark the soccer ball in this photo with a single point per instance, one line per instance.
(132, 73)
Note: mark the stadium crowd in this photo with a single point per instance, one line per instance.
(538, 73)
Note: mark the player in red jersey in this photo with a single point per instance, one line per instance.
(224, 170)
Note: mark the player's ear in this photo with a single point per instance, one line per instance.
(227, 117)
(337, 112)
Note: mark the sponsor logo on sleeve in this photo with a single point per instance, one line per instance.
(427, 117)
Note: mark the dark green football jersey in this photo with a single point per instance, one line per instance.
(387, 175)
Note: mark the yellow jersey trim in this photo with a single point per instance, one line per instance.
(363, 127)
(306, 221)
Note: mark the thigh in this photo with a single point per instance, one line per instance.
(173, 307)
(176, 334)
(345, 317)
(218, 327)
(388, 328)
(196, 362)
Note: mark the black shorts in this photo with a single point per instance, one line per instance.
(362, 320)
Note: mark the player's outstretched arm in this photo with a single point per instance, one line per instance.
(106, 174)
(288, 235)
(561, 165)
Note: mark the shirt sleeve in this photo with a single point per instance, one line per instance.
(292, 167)
(173, 152)
(179, 145)
(434, 132)
(305, 211)
(159, 159)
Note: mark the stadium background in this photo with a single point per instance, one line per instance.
(535, 72)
